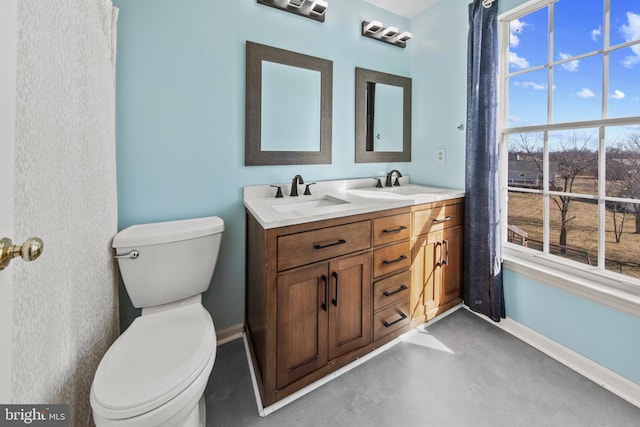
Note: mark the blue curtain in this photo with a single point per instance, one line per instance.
(483, 291)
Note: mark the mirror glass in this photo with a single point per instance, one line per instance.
(289, 95)
(387, 118)
(383, 117)
(288, 106)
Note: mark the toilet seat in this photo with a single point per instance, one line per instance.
(155, 359)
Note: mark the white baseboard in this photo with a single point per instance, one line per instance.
(615, 383)
(230, 333)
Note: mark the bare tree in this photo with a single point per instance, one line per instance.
(623, 179)
(574, 158)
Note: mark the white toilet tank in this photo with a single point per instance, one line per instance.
(165, 262)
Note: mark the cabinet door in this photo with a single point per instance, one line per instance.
(427, 273)
(350, 304)
(302, 323)
(452, 265)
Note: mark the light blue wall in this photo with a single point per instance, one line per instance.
(439, 69)
(607, 336)
(180, 113)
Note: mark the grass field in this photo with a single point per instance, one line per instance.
(526, 211)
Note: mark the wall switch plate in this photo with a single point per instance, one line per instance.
(441, 155)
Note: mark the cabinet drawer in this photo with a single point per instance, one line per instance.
(437, 218)
(310, 246)
(391, 229)
(391, 319)
(391, 258)
(391, 290)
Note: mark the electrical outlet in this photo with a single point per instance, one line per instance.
(441, 155)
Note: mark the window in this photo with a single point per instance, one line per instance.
(569, 120)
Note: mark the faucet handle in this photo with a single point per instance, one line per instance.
(378, 183)
(279, 192)
(307, 192)
(396, 183)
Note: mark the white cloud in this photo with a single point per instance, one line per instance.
(515, 119)
(571, 66)
(586, 93)
(631, 31)
(515, 26)
(596, 33)
(531, 85)
(517, 61)
(617, 94)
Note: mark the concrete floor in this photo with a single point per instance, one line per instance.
(461, 371)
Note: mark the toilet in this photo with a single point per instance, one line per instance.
(155, 373)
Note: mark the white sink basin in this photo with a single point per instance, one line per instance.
(304, 205)
(417, 192)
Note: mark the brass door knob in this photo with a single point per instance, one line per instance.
(28, 251)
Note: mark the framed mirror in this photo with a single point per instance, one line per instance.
(289, 98)
(383, 117)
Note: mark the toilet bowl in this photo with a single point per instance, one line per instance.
(155, 373)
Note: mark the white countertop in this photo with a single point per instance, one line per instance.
(335, 199)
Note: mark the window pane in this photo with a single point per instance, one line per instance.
(573, 229)
(573, 161)
(622, 247)
(525, 160)
(578, 27)
(625, 23)
(623, 161)
(528, 40)
(624, 84)
(577, 93)
(528, 99)
(525, 220)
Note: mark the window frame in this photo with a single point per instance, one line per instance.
(596, 283)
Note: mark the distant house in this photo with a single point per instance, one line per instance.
(527, 173)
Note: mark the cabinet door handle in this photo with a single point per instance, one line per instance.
(387, 324)
(445, 219)
(439, 262)
(325, 305)
(339, 242)
(394, 230)
(400, 289)
(400, 258)
(446, 254)
(335, 300)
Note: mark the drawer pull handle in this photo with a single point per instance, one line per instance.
(394, 230)
(400, 289)
(325, 304)
(439, 220)
(388, 324)
(335, 300)
(339, 242)
(400, 258)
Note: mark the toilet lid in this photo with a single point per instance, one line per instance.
(157, 357)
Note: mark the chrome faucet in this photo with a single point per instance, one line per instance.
(390, 175)
(294, 185)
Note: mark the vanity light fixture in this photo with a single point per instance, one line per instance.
(376, 30)
(404, 36)
(312, 9)
(374, 26)
(389, 32)
(319, 7)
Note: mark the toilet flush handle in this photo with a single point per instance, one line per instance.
(132, 254)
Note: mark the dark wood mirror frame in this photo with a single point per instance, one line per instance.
(254, 155)
(363, 78)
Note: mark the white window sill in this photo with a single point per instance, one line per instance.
(603, 287)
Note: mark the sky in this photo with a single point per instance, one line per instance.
(577, 84)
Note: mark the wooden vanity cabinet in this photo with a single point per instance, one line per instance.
(437, 258)
(310, 303)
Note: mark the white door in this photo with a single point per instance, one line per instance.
(8, 44)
